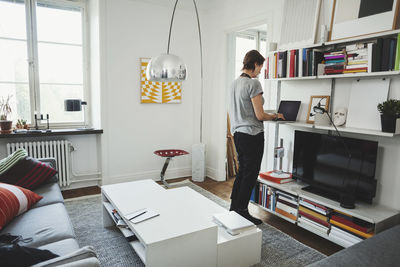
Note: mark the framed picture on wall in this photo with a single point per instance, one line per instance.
(158, 92)
(352, 18)
(317, 100)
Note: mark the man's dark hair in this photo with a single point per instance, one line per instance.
(251, 58)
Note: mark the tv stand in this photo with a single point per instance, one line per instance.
(381, 217)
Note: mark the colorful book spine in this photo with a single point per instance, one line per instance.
(348, 228)
(313, 213)
(315, 219)
(397, 61)
(352, 224)
(284, 213)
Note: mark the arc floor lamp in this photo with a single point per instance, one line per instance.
(170, 68)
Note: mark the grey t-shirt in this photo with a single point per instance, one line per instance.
(240, 108)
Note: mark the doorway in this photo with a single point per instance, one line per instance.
(239, 43)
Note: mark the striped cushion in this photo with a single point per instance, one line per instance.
(14, 200)
(28, 173)
(11, 160)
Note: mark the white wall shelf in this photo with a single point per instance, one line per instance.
(360, 75)
(347, 75)
(363, 37)
(294, 78)
(340, 128)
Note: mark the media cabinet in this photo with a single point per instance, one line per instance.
(380, 216)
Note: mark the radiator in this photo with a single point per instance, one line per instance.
(59, 149)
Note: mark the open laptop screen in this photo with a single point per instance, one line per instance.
(289, 109)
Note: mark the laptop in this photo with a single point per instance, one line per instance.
(289, 109)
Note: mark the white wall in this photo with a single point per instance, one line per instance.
(133, 131)
(224, 18)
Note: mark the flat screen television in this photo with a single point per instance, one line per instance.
(336, 167)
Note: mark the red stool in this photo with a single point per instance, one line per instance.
(168, 154)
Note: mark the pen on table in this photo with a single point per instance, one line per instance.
(138, 215)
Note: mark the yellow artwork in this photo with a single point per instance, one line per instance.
(158, 92)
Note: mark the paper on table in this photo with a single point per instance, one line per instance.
(141, 215)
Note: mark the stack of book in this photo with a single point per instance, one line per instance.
(359, 58)
(335, 62)
(277, 177)
(286, 205)
(313, 216)
(349, 230)
(264, 196)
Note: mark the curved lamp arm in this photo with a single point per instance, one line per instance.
(201, 59)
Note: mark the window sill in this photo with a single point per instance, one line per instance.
(54, 132)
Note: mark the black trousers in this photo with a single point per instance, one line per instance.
(250, 149)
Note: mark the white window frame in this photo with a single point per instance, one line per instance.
(33, 60)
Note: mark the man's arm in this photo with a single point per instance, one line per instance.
(259, 111)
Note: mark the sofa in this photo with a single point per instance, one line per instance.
(50, 228)
(382, 249)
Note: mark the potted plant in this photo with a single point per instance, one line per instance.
(390, 112)
(21, 124)
(5, 110)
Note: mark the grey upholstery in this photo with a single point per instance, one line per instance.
(62, 247)
(82, 257)
(48, 223)
(45, 225)
(51, 194)
(382, 249)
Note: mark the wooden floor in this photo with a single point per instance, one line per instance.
(223, 190)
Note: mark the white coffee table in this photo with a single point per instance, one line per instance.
(183, 234)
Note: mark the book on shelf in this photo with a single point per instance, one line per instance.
(287, 201)
(285, 214)
(397, 60)
(233, 223)
(351, 229)
(276, 177)
(314, 206)
(314, 225)
(313, 218)
(313, 213)
(344, 235)
(353, 222)
(284, 207)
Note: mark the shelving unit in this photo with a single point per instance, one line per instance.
(340, 128)
(382, 217)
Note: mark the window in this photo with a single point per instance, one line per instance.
(246, 41)
(43, 59)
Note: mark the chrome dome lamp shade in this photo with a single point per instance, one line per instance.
(166, 68)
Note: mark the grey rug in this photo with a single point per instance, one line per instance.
(278, 249)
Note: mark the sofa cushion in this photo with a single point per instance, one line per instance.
(14, 200)
(12, 159)
(45, 225)
(62, 247)
(74, 257)
(16, 255)
(28, 173)
(380, 250)
(51, 194)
